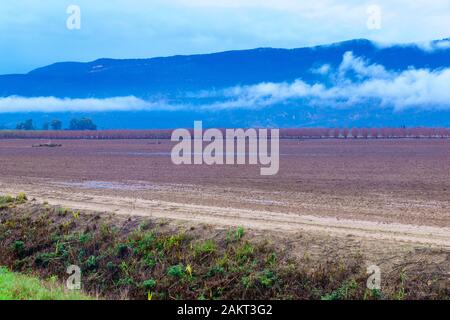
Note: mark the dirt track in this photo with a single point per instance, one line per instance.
(221, 216)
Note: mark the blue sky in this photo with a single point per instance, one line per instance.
(33, 33)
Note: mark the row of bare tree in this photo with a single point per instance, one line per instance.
(301, 133)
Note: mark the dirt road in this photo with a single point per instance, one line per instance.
(280, 222)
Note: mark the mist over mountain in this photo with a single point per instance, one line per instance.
(352, 83)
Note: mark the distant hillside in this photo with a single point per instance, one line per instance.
(169, 76)
(180, 81)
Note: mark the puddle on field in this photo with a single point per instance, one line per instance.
(168, 154)
(128, 153)
(265, 202)
(108, 185)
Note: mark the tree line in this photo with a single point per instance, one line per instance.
(56, 125)
(299, 133)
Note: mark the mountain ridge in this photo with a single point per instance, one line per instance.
(143, 78)
(173, 79)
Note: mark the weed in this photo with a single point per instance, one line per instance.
(43, 259)
(342, 293)
(401, 293)
(149, 284)
(18, 248)
(84, 238)
(111, 266)
(6, 199)
(150, 260)
(244, 252)
(271, 259)
(62, 211)
(177, 271)
(215, 271)
(21, 198)
(372, 294)
(267, 278)
(248, 281)
(126, 282)
(235, 235)
(175, 241)
(91, 263)
(206, 247)
(145, 243)
(122, 250)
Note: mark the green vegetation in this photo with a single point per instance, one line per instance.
(346, 291)
(6, 201)
(235, 235)
(206, 247)
(9, 201)
(21, 198)
(15, 286)
(150, 258)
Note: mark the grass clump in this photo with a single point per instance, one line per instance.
(235, 235)
(177, 271)
(14, 286)
(149, 284)
(8, 201)
(21, 198)
(205, 247)
(346, 291)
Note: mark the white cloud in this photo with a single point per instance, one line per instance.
(355, 82)
(323, 70)
(52, 104)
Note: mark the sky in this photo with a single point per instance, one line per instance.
(34, 33)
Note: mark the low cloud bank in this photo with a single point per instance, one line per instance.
(355, 82)
(51, 104)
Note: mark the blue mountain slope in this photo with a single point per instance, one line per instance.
(172, 77)
(168, 76)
